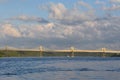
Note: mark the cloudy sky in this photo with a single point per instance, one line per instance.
(60, 24)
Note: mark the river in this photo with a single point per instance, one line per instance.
(60, 68)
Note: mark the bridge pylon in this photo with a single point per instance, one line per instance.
(103, 50)
(41, 51)
(6, 48)
(72, 50)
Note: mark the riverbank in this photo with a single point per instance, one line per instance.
(68, 54)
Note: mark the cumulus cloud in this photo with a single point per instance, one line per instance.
(9, 30)
(97, 33)
(82, 3)
(68, 27)
(100, 2)
(58, 12)
(112, 8)
(114, 5)
(25, 18)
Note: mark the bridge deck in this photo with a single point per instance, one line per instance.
(88, 51)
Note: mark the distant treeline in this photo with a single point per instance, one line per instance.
(39, 54)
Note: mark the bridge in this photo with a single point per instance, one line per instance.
(72, 50)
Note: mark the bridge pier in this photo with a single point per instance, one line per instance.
(103, 50)
(6, 48)
(72, 50)
(6, 51)
(41, 51)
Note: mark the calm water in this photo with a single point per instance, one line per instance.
(78, 68)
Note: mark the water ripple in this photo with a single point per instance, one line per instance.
(60, 68)
(39, 70)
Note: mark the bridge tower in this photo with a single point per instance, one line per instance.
(72, 50)
(103, 50)
(6, 48)
(41, 51)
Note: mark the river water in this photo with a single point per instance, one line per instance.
(60, 68)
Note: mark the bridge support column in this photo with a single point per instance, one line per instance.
(103, 50)
(72, 50)
(6, 50)
(41, 51)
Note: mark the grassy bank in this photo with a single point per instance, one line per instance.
(37, 54)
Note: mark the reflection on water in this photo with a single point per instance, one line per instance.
(60, 68)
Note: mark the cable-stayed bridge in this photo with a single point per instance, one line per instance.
(72, 49)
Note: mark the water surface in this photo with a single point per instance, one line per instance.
(60, 68)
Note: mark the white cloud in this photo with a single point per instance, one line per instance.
(84, 4)
(58, 12)
(100, 2)
(114, 5)
(112, 8)
(26, 18)
(68, 27)
(68, 31)
(115, 1)
(50, 25)
(37, 30)
(96, 33)
(9, 30)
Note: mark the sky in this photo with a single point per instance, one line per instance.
(60, 24)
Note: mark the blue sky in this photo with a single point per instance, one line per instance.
(29, 7)
(58, 24)
(10, 8)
